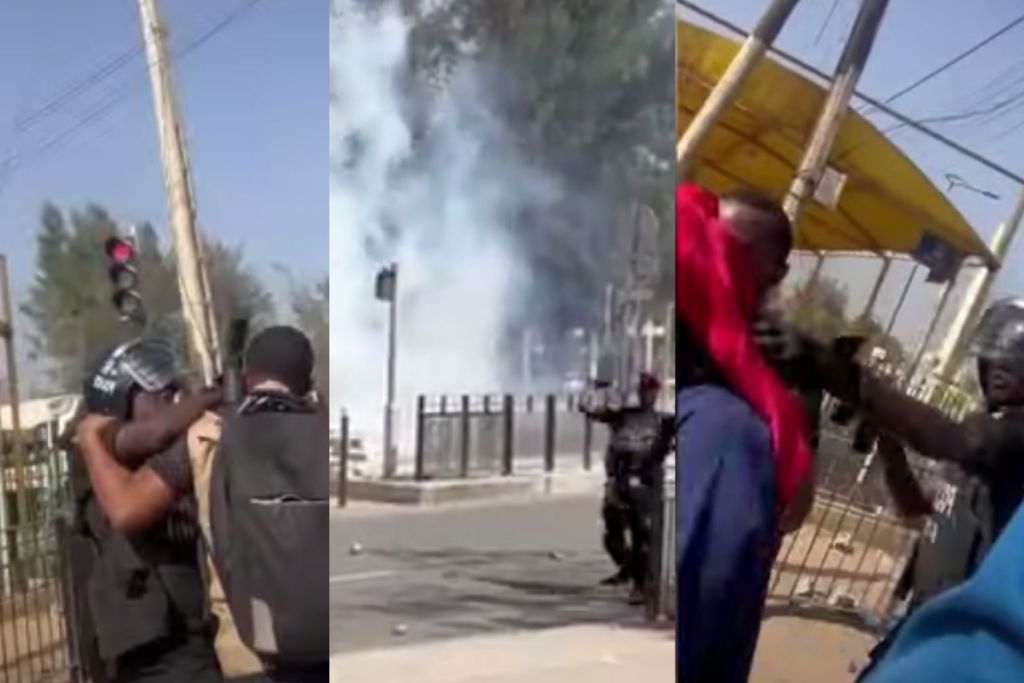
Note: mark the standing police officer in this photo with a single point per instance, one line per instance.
(144, 593)
(639, 441)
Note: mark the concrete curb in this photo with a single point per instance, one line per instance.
(436, 493)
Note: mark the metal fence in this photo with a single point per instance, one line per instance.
(34, 636)
(851, 552)
(472, 436)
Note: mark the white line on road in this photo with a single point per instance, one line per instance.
(364, 576)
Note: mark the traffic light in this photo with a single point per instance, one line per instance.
(125, 278)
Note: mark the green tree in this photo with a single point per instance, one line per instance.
(821, 310)
(69, 303)
(583, 86)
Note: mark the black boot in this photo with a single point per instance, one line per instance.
(617, 579)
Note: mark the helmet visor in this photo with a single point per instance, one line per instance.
(151, 365)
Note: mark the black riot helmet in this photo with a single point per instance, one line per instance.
(145, 365)
(998, 344)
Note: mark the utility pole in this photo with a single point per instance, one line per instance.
(939, 310)
(193, 281)
(848, 72)
(724, 93)
(7, 331)
(951, 353)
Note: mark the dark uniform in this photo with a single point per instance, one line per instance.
(640, 438)
(983, 484)
(142, 597)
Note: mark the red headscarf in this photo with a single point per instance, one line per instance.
(716, 298)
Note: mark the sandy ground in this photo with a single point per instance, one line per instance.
(849, 562)
(799, 650)
(32, 642)
(853, 568)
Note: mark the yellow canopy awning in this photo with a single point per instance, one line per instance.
(887, 202)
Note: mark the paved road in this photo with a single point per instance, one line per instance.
(452, 572)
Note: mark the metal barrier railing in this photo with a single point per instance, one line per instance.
(851, 552)
(33, 631)
(34, 636)
(467, 436)
(461, 437)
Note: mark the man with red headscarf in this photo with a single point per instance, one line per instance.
(744, 453)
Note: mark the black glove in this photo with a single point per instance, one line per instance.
(837, 369)
(778, 340)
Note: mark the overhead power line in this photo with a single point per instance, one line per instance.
(72, 92)
(822, 76)
(19, 159)
(828, 20)
(952, 62)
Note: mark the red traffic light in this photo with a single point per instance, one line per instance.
(119, 250)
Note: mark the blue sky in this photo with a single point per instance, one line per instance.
(909, 45)
(254, 100)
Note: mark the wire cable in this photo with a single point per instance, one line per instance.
(951, 63)
(828, 20)
(16, 161)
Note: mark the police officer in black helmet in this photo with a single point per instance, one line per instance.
(984, 482)
(144, 594)
(640, 439)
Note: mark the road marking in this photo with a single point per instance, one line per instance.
(364, 576)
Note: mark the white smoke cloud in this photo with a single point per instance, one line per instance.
(442, 213)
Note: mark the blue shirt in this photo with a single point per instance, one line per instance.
(973, 633)
(725, 479)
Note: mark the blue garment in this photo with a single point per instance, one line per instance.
(727, 533)
(973, 633)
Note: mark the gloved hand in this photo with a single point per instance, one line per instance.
(778, 340)
(838, 371)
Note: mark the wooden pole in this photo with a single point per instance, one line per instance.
(193, 282)
(848, 72)
(725, 91)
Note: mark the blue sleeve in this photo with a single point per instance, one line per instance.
(727, 538)
(974, 632)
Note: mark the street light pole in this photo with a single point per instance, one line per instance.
(387, 291)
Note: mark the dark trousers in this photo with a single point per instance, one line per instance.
(317, 673)
(626, 511)
(189, 659)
